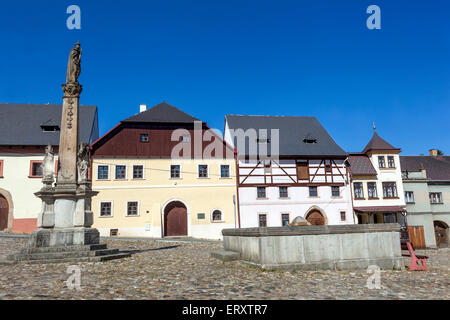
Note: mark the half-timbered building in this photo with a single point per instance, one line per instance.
(163, 173)
(288, 167)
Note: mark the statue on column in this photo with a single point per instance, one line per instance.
(74, 64)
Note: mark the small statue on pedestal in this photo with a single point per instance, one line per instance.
(48, 166)
(83, 162)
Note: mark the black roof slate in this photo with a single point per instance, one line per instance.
(438, 167)
(21, 124)
(292, 132)
(162, 113)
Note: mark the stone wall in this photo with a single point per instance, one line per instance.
(318, 247)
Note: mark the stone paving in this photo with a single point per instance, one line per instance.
(185, 270)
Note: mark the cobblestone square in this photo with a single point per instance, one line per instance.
(185, 270)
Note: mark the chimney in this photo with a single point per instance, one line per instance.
(433, 152)
(142, 107)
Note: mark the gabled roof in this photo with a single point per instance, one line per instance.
(292, 133)
(21, 124)
(360, 165)
(162, 113)
(438, 167)
(377, 143)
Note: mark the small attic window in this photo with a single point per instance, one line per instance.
(49, 128)
(309, 140)
(263, 140)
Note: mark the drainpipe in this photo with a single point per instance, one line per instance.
(350, 180)
(237, 187)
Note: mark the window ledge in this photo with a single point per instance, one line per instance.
(225, 177)
(436, 203)
(106, 216)
(262, 198)
(132, 215)
(360, 198)
(336, 197)
(221, 221)
(284, 198)
(35, 177)
(375, 198)
(391, 198)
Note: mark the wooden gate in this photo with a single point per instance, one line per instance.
(417, 236)
(4, 211)
(315, 218)
(175, 219)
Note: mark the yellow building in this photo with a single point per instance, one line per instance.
(157, 176)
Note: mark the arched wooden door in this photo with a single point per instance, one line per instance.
(441, 234)
(175, 219)
(4, 211)
(315, 218)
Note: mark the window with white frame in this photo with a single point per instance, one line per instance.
(106, 209)
(435, 197)
(409, 196)
(203, 171)
(102, 172)
(224, 171)
(138, 172)
(132, 208)
(121, 171)
(174, 171)
(391, 161)
(372, 190)
(284, 219)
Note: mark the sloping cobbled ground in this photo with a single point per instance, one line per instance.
(185, 270)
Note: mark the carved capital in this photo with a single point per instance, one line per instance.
(72, 89)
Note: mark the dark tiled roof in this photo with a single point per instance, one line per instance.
(292, 133)
(360, 165)
(21, 124)
(438, 167)
(162, 113)
(377, 143)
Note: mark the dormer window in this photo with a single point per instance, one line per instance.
(49, 128)
(309, 140)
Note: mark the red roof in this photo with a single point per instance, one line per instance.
(360, 165)
(377, 143)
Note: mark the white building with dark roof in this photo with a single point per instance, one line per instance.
(25, 131)
(376, 182)
(288, 167)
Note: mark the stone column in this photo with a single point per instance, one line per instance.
(68, 143)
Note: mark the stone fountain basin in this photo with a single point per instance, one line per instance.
(339, 247)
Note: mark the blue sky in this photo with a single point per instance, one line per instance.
(211, 58)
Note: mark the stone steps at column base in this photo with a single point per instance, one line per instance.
(90, 247)
(99, 258)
